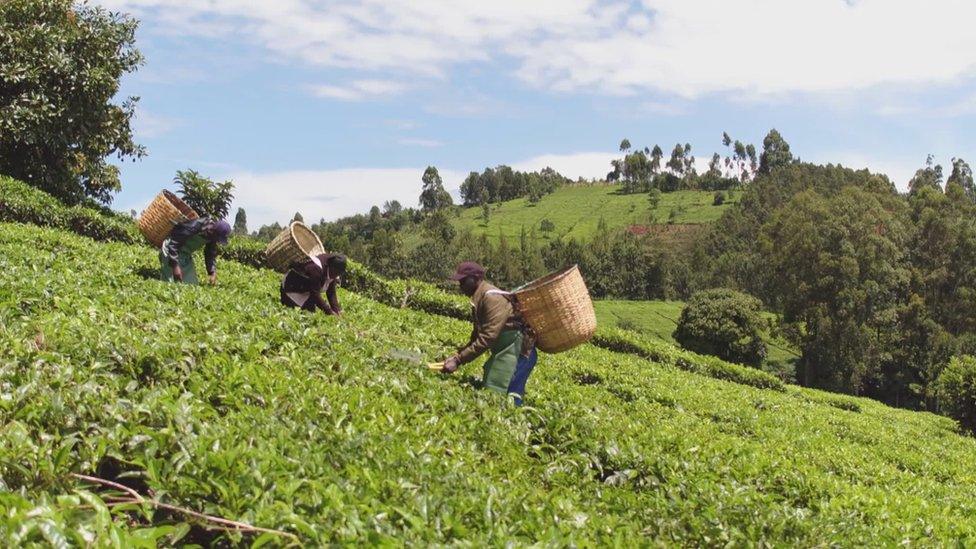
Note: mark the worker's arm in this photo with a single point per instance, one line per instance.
(333, 298)
(210, 260)
(495, 315)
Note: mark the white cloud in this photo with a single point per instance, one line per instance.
(359, 90)
(681, 47)
(148, 124)
(328, 194)
(583, 164)
(418, 142)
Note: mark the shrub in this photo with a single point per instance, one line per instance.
(718, 199)
(724, 323)
(956, 388)
(207, 197)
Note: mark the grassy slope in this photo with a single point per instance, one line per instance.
(241, 408)
(658, 319)
(576, 212)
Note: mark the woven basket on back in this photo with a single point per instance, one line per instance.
(559, 310)
(295, 243)
(158, 219)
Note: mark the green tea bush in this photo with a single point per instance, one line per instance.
(24, 204)
(221, 401)
(627, 342)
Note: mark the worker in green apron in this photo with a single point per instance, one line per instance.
(176, 253)
(498, 328)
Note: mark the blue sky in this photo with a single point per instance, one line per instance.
(329, 107)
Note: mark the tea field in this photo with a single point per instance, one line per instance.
(576, 211)
(217, 400)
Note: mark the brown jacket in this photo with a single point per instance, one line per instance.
(492, 313)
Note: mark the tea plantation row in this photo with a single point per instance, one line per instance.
(221, 401)
(24, 204)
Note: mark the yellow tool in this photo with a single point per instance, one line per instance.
(436, 366)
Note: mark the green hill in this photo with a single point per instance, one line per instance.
(220, 401)
(658, 319)
(575, 211)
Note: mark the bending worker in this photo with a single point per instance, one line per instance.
(499, 328)
(176, 254)
(306, 281)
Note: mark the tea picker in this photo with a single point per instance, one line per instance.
(554, 313)
(498, 328)
(173, 227)
(309, 270)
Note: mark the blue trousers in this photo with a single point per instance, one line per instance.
(523, 368)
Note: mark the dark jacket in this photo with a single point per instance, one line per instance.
(492, 313)
(307, 277)
(183, 232)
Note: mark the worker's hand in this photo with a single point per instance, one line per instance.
(213, 279)
(451, 365)
(178, 273)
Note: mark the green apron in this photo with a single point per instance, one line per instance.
(500, 366)
(185, 260)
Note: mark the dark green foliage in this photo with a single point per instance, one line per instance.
(433, 197)
(776, 153)
(956, 389)
(503, 183)
(929, 177)
(838, 266)
(240, 222)
(718, 199)
(207, 197)
(723, 323)
(23, 204)
(60, 67)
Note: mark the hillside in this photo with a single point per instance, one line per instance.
(221, 401)
(658, 319)
(575, 212)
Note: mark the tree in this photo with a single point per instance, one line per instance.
(547, 226)
(206, 197)
(60, 67)
(392, 208)
(677, 162)
(962, 175)
(724, 323)
(837, 266)
(718, 198)
(956, 389)
(298, 217)
(656, 155)
(776, 152)
(240, 222)
(689, 160)
(433, 197)
(625, 145)
(928, 177)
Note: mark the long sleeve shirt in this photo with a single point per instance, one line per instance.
(183, 232)
(492, 314)
(314, 279)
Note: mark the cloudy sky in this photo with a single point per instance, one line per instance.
(331, 106)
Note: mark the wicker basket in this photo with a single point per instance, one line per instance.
(158, 219)
(296, 243)
(559, 310)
